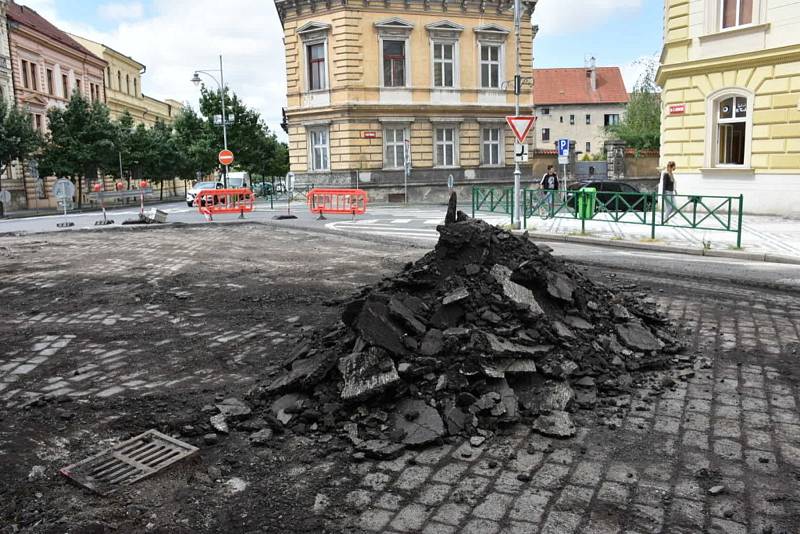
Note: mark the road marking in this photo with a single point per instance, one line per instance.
(401, 221)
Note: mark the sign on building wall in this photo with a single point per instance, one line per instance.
(370, 134)
(677, 109)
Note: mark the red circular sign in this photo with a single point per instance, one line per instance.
(226, 157)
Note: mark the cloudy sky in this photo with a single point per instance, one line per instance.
(174, 37)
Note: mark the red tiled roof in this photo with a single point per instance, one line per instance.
(572, 86)
(33, 20)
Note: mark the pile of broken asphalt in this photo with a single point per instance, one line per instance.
(485, 331)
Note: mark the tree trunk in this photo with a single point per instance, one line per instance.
(80, 190)
(161, 196)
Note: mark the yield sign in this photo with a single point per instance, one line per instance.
(520, 126)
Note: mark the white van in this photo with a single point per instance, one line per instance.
(238, 180)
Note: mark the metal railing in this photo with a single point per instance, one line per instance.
(693, 212)
(493, 200)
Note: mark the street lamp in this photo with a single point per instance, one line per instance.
(221, 83)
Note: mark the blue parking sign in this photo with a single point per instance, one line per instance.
(563, 147)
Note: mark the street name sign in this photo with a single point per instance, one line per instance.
(226, 157)
(521, 125)
(520, 152)
(677, 109)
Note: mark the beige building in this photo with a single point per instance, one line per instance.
(730, 73)
(123, 83)
(378, 90)
(578, 104)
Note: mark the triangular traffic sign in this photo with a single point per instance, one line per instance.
(521, 126)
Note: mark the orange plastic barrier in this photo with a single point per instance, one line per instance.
(337, 201)
(213, 201)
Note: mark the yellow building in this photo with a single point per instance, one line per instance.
(730, 73)
(380, 89)
(124, 87)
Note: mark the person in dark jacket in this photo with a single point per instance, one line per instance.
(668, 190)
(550, 185)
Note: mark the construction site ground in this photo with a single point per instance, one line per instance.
(104, 335)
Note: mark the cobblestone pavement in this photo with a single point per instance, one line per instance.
(126, 317)
(735, 425)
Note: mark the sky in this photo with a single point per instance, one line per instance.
(175, 37)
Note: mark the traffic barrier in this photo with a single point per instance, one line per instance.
(337, 201)
(213, 201)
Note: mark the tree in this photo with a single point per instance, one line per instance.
(81, 141)
(257, 149)
(641, 126)
(195, 140)
(18, 139)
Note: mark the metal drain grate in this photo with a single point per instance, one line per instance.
(128, 462)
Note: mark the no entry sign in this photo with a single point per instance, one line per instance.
(226, 157)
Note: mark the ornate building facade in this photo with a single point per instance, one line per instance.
(383, 93)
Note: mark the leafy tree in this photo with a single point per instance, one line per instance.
(257, 149)
(641, 127)
(18, 139)
(81, 141)
(195, 140)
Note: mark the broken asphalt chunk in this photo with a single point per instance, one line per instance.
(418, 422)
(556, 424)
(367, 373)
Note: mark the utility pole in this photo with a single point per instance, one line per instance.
(517, 90)
(224, 120)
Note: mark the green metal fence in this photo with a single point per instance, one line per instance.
(694, 212)
(494, 200)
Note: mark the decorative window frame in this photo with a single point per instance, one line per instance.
(395, 29)
(455, 125)
(498, 123)
(396, 123)
(713, 16)
(712, 135)
(491, 35)
(310, 34)
(312, 127)
(446, 32)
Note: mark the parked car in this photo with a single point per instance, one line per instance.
(262, 189)
(615, 196)
(197, 187)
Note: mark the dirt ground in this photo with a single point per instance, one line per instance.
(104, 335)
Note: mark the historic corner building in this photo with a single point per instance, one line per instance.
(730, 72)
(376, 89)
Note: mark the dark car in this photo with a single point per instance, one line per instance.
(612, 196)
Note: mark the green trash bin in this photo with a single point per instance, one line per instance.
(587, 196)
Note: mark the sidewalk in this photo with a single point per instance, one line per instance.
(764, 238)
(88, 208)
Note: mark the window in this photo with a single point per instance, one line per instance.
(108, 77)
(128, 83)
(588, 147)
(731, 130)
(135, 87)
(316, 66)
(50, 85)
(561, 119)
(394, 148)
(588, 119)
(490, 66)
(38, 122)
(545, 134)
(610, 119)
(25, 80)
(394, 63)
(545, 111)
(91, 91)
(119, 81)
(65, 85)
(319, 149)
(443, 64)
(79, 87)
(445, 143)
(572, 119)
(736, 13)
(491, 149)
(34, 81)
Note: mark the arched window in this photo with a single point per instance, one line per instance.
(128, 83)
(119, 80)
(730, 123)
(135, 87)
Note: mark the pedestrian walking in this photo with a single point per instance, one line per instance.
(668, 190)
(550, 186)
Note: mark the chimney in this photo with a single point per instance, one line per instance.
(591, 73)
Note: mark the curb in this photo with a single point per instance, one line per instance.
(764, 257)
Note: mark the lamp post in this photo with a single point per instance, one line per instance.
(221, 83)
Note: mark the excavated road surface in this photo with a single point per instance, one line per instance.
(104, 335)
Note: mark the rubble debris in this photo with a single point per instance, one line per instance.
(485, 330)
(261, 438)
(219, 423)
(233, 409)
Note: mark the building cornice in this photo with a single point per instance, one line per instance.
(292, 9)
(786, 54)
(55, 45)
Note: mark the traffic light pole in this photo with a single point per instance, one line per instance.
(517, 89)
